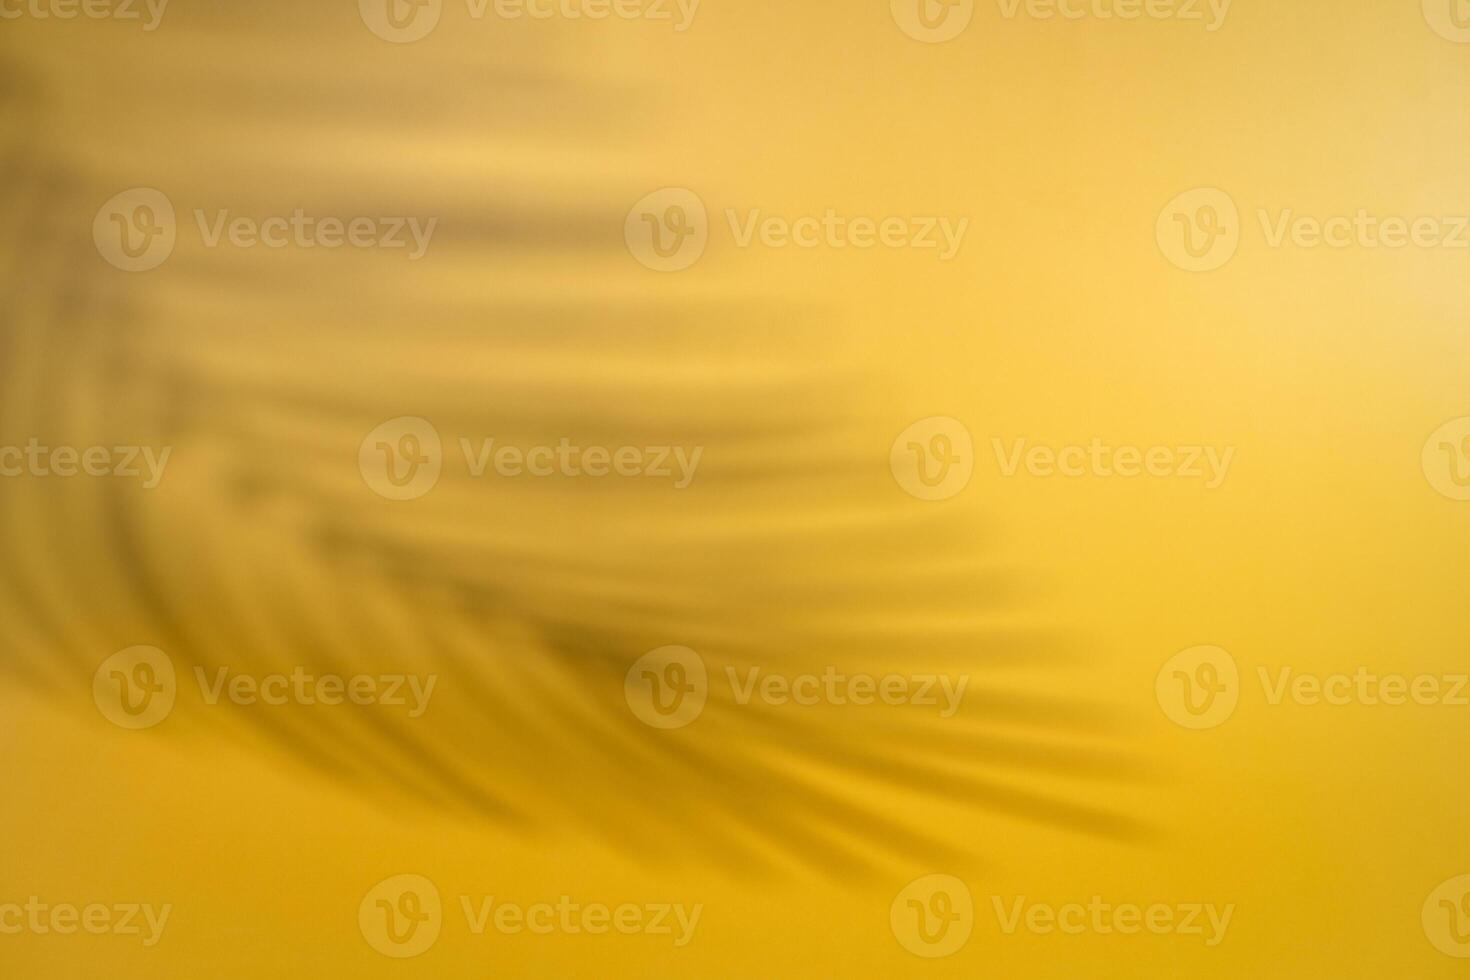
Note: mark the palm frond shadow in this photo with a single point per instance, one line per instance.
(264, 550)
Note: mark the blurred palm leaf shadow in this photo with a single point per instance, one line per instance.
(527, 322)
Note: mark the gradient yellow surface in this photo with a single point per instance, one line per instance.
(1329, 540)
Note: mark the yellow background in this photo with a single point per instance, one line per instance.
(1326, 548)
